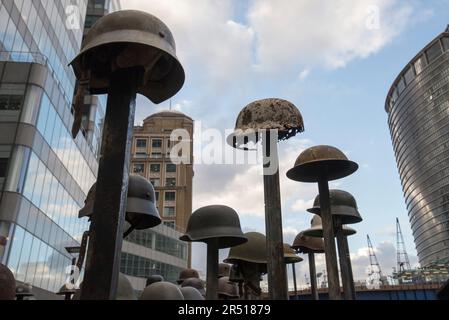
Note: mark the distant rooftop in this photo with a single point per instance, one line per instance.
(168, 114)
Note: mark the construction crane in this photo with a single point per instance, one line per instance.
(374, 263)
(403, 263)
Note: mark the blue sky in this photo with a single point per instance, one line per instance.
(328, 59)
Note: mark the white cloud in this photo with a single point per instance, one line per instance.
(304, 74)
(301, 205)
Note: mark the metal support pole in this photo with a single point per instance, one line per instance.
(329, 241)
(105, 243)
(294, 280)
(313, 279)
(277, 271)
(212, 270)
(345, 262)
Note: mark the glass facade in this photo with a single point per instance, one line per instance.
(418, 117)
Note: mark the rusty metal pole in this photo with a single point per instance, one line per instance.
(294, 280)
(212, 270)
(105, 243)
(313, 279)
(277, 273)
(329, 241)
(345, 261)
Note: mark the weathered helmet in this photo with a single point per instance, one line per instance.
(267, 114)
(24, 290)
(162, 291)
(192, 294)
(154, 278)
(125, 290)
(195, 283)
(141, 211)
(7, 284)
(236, 274)
(343, 204)
(307, 245)
(187, 274)
(224, 270)
(254, 251)
(321, 162)
(317, 229)
(290, 255)
(227, 289)
(127, 39)
(215, 222)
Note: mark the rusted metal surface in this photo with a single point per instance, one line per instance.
(212, 270)
(313, 278)
(103, 258)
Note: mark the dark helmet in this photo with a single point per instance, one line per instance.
(187, 274)
(343, 204)
(141, 211)
(254, 251)
(267, 114)
(24, 290)
(131, 38)
(162, 291)
(125, 290)
(7, 284)
(290, 255)
(154, 278)
(224, 270)
(307, 245)
(317, 229)
(236, 274)
(227, 289)
(215, 222)
(321, 162)
(192, 294)
(195, 283)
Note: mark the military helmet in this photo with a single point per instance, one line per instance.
(227, 289)
(162, 291)
(141, 211)
(125, 289)
(317, 229)
(131, 38)
(192, 294)
(7, 284)
(254, 251)
(224, 270)
(267, 114)
(195, 283)
(236, 274)
(305, 244)
(187, 274)
(343, 205)
(217, 222)
(154, 278)
(321, 162)
(24, 290)
(290, 255)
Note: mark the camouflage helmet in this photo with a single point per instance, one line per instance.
(290, 256)
(343, 205)
(125, 290)
(154, 278)
(162, 291)
(24, 290)
(217, 222)
(317, 229)
(192, 294)
(304, 244)
(227, 289)
(224, 270)
(187, 274)
(141, 211)
(267, 114)
(321, 162)
(195, 283)
(7, 284)
(254, 251)
(126, 39)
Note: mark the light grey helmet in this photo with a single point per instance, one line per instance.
(141, 211)
(195, 283)
(187, 274)
(162, 291)
(154, 278)
(224, 270)
(7, 284)
(217, 222)
(125, 290)
(227, 289)
(190, 293)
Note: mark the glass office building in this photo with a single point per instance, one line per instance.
(418, 117)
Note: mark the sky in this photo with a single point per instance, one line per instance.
(335, 60)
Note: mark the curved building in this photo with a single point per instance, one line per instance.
(418, 117)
